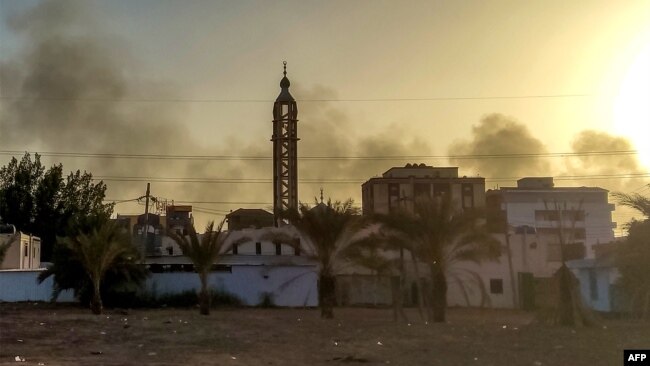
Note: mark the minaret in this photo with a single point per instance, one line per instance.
(285, 150)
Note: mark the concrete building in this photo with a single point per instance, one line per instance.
(24, 250)
(531, 220)
(247, 218)
(398, 187)
(149, 230)
(583, 213)
(598, 278)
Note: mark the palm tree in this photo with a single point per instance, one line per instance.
(635, 201)
(371, 252)
(98, 252)
(204, 252)
(439, 236)
(633, 255)
(323, 233)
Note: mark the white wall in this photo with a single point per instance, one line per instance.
(289, 286)
(529, 254)
(21, 285)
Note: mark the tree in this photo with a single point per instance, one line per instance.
(634, 255)
(204, 252)
(439, 236)
(323, 233)
(98, 252)
(18, 182)
(44, 203)
(371, 252)
(635, 201)
(569, 309)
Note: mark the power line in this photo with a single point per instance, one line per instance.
(181, 202)
(315, 100)
(338, 181)
(322, 158)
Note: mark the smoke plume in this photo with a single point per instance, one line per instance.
(70, 89)
(496, 134)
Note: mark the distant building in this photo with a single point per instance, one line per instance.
(149, 231)
(583, 213)
(178, 218)
(398, 187)
(597, 277)
(528, 220)
(24, 251)
(246, 218)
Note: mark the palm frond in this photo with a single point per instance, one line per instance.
(635, 201)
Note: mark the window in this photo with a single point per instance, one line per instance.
(441, 189)
(278, 249)
(26, 251)
(468, 195)
(393, 196)
(496, 286)
(258, 248)
(235, 250)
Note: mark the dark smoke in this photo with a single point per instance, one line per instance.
(604, 165)
(70, 90)
(497, 134)
(590, 140)
(325, 131)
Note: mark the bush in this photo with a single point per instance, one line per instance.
(266, 300)
(189, 298)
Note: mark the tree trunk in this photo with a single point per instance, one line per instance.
(418, 283)
(513, 285)
(439, 294)
(326, 295)
(565, 309)
(204, 296)
(570, 310)
(398, 295)
(96, 301)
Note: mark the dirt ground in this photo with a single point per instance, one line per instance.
(45, 334)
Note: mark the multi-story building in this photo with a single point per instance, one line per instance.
(399, 187)
(149, 231)
(540, 226)
(580, 217)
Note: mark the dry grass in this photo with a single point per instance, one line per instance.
(67, 335)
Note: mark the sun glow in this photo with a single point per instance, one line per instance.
(632, 105)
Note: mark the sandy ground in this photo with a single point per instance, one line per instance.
(45, 334)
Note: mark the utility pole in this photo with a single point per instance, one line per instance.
(513, 285)
(146, 218)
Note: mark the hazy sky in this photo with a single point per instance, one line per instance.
(154, 75)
